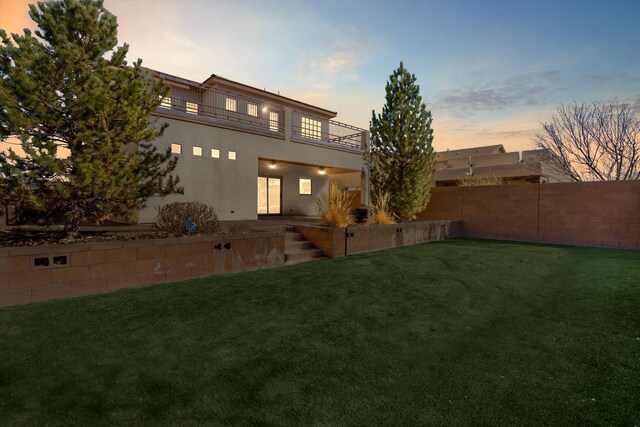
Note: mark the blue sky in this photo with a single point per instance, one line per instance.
(490, 71)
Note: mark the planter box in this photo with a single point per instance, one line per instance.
(337, 242)
(39, 273)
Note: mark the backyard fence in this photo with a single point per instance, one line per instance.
(605, 214)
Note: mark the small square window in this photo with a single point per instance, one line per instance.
(215, 153)
(232, 155)
(305, 186)
(252, 110)
(197, 151)
(176, 148)
(192, 108)
(165, 101)
(231, 104)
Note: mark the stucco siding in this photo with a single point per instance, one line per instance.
(230, 186)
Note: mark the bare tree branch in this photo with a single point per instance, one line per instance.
(593, 142)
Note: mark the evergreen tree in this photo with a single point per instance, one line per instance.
(83, 120)
(402, 156)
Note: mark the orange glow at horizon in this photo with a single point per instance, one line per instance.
(14, 16)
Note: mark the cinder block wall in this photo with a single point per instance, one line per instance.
(359, 238)
(39, 273)
(605, 214)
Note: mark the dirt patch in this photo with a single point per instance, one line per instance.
(34, 238)
(54, 237)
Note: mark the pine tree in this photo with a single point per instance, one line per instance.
(402, 156)
(83, 120)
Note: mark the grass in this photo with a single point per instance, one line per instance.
(459, 332)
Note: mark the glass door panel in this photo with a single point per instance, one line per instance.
(274, 195)
(263, 207)
(269, 195)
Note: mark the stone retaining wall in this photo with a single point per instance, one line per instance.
(337, 242)
(39, 273)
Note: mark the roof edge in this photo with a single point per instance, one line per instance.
(275, 95)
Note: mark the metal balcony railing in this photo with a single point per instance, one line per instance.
(317, 130)
(226, 108)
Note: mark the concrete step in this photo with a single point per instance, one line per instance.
(294, 245)
(302, 255)
(293, 262)
(291, 236)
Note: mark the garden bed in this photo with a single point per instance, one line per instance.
(337, 242)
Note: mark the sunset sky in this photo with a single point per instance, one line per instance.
(490, 71)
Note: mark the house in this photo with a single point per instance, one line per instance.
(250, 153)
(532, 166)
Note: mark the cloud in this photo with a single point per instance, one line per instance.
(340, 61)
(622, 78)
(178, 39)
(526, 89)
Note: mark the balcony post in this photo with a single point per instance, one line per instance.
(287, 123)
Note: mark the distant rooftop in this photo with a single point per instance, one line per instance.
(468, 152)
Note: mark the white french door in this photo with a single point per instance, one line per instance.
(269, 195)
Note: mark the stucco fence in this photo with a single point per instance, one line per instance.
(338, 242)
(39, 273)
(603, 214)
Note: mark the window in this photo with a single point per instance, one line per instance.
(176, 148)
(252, 110)
(305, 186)
(197, 151)
(192, 108)
(231, 104)
(269, 195)
(232, 155)
(215, 153)
(165, 101)
(274, 118)
(311, 128)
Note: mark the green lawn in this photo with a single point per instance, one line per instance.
(461, 332)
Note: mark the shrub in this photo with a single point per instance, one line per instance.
(380, 213)
(239, 229)
(335, 207)
(360, 214)
(187, 218)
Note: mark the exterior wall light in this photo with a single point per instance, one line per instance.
(322, 171)
(272, 164)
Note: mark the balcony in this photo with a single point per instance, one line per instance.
(224, 109)
(235, 111)
(316, 130)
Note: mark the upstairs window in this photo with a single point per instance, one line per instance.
(215, 153)
(165, 101)
(232, 155)
(197, 151)
(176, 148)
(192, 108)
(311, 128)
(231, 104)
(252, 110)
(274, 121)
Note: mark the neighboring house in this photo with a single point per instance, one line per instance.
(248, 152)
(532, 166)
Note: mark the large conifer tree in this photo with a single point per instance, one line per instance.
(402, 156)
(82, 115)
